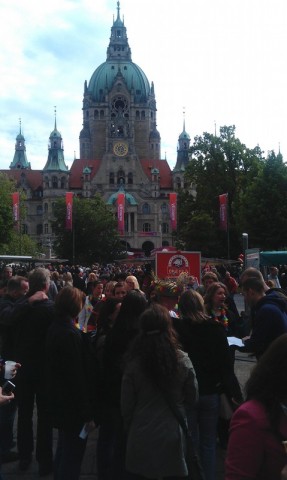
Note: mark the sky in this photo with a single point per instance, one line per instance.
(213, 63)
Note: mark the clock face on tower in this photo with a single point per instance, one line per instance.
(120, 149)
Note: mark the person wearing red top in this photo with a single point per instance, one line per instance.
(258, 427)
(230, 283)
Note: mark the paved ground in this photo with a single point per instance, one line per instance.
(243, 365)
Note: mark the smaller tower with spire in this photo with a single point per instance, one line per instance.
(182, 157)
(20, 159)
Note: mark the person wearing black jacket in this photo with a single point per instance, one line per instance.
(70, 381)
(32, 321)
(205, 341)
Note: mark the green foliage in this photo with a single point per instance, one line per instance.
(7, 187)
(218, 164)
(20, 244)
(94, 236)
(264, 205)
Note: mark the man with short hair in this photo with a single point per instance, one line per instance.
(32, 323)
(269, 313)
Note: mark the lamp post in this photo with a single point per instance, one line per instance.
(245, 247)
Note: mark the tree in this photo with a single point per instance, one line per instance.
(94, 237)
(7, 187)
(264, 205)
(20, 244)
(219, 164)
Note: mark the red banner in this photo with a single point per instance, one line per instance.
(69, 211)
(223, 205)
(121, 213)
(16, 208)
(173, 210)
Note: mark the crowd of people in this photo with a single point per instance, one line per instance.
(117, 349)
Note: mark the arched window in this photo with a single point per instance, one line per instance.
(46, 182)
(39, 229)
(102, 113)
(112, 178)
(146, 209)
(46, 207)
(178, 182)
(39, 209)
(96, 113)
(130, 178)
(24, 228)
(164, 228)
(146, 227)
(143, 115)
(46, 228)
(54, 182)
(63, 182)
(137, 115)
(121, 176)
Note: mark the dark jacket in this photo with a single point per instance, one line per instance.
(31, 325)
(68, 379)
(269, 322)
(208, 350)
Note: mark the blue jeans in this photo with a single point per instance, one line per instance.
(202, 421)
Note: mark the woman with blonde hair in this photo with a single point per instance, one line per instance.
(205, 342)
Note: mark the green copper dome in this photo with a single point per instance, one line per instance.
(105, 75)
(119, 65)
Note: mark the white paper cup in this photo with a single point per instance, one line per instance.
(9, 369)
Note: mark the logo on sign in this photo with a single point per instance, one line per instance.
(177, 264)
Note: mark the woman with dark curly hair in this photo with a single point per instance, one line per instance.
(258, 431)
(157, 368)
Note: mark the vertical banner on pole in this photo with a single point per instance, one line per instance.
(121, 213)
(223, 205)
(69, 211)
(16, 209)
(173, 210)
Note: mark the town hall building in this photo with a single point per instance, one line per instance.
(120, 152)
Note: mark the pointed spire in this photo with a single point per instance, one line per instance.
(55, 161)
(118, 8)
(20, 159)
(184, 119)
(55, 113)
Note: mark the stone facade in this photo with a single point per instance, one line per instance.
(120, 151)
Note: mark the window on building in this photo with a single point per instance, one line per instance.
(165, 228)
(112, 178)
(121, 177)
(46, 207)
(146, 227)
(146, 209)
(164, 208)
(96, 113)
(39, 229)
(24, 228)
(63, 182)
(54, 182)
(46, 228)
(178, 182)
(130, 178)
(46, 182)
(143, 115)
(39, 210)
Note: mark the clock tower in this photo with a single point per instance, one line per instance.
(119, 141)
